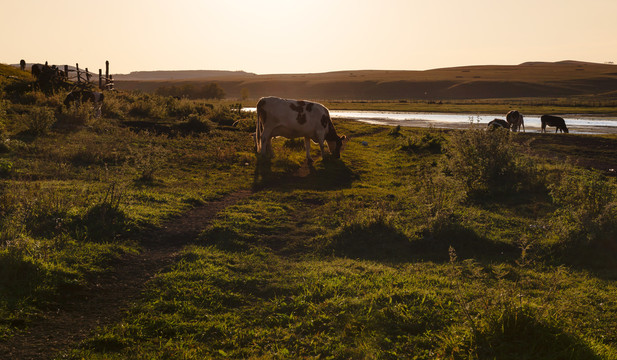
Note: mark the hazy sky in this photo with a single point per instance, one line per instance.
(286, 36)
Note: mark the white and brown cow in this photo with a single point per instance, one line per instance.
(498, 123)
(515, 119)
(293, 119)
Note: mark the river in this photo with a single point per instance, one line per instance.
(577, 124)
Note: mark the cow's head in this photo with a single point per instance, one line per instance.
(336, 146)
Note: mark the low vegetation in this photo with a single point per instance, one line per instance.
(418, 243)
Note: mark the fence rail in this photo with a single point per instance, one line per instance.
(54, 74)
(105, 82)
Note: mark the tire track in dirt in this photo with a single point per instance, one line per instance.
(104, 302)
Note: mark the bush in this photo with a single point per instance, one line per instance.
(148, 106)
(431, 141)
(196, 124)
(223, 116)
(113, 107)
(489, 162)
(40, 120)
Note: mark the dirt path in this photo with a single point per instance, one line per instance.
(105, 302)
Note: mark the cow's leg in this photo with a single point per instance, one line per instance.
(266, 143)
(321, 148)
(307, 146)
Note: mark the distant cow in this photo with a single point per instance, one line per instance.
(515, 119)
(37, 70)
(80, 96)
(293, 119)
(498, 123)
(558, 122)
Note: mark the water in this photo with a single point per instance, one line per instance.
(577, 124)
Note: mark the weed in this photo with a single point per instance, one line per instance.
(105, 220)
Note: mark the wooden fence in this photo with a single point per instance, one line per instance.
(105, 82)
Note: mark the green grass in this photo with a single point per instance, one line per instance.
(398, 250)
(352, 262)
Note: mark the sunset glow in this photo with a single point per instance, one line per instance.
(276, 36)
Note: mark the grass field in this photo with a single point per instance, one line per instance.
(418, 243)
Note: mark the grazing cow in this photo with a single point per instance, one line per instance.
(292, 119)
(498, 123)
(79, 96)
(558, 122)
(515, 119)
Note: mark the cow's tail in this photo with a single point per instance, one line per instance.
(258, 130)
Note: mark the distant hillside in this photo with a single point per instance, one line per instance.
(531, 79)
(175, 75)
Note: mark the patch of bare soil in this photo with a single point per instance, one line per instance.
(104, 302)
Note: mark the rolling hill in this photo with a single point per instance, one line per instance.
(530, 79)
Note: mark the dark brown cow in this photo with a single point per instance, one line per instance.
(551, 120)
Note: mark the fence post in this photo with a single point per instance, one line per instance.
(78, 73)
(101, 79)
(87, 76)
(106, 73)
(66, 72)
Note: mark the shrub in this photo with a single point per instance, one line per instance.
(431, 141)
(196, 124)
(223, 116)
(113, 107)
(489, 162)
(40, 120)
(148, 106)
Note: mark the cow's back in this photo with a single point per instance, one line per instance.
(291, 118)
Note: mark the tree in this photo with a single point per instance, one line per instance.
(244, 93)
(212, 91)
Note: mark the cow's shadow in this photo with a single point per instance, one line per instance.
(324, 174)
